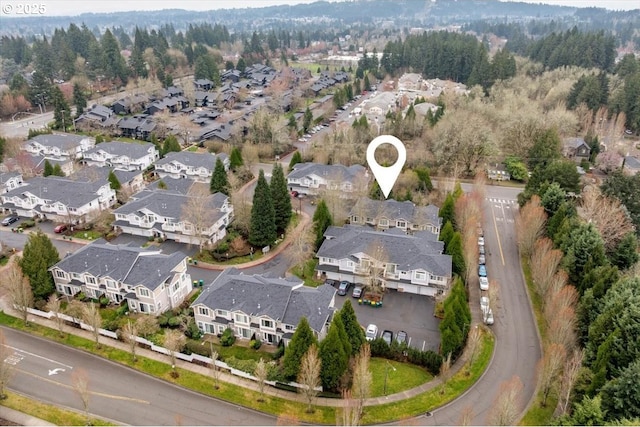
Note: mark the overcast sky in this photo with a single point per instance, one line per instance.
(75, 7)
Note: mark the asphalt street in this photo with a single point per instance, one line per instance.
(45, 371)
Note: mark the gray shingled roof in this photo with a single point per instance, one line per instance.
(93, 174)
(71, 193)
(632, 162)
(346, 173)
(117, 148)
(170, 204)
(176, 185)
(419, 251)
(285, 300)
(62, 141)
(126, 264)
(4, 177)
(196, 160)
(392, 209)
(575, 142)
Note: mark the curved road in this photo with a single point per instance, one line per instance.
(44, 371)
(517, 349)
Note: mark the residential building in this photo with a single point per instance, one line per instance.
(139, 126)
(98, 116)
(151, 282)
(380, 104)
(59, 199)
(203, 84)
(176, 185)
(200, 220)
(631, 165)
(131, 181)
(409, 263)
(59, 145)
(10, 181)
(313, 178)
(261, 307)
(407, 216)
(29, 164)
(576, 149)
(122, 155)
(498, 172)
(129, 104)
(186, 164)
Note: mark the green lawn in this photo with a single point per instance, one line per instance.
(405, 376)
(193, 148)
(51, 413)
(87, 235)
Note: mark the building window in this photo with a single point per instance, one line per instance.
(60, 274)
(401, 224)
(241, 318)
(421, 275)
(288, 327)
(355, 219)
(204, 311)
(222, 313)
(75, 276)
(143, 292)
(111, 284)
(244, 333)
(384, 222)
(267, 323)
(90, 280)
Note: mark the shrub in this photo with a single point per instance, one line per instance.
(379, 348)
(196, 347)
(279, 352)
(28, 223)
(163, 319)
(255, 344)
(228, 338)
(193, 331)
(104, 301)
(123, 310)
(174, 321)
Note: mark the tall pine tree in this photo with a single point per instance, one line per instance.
(300, 342)
(219, 182)
(335, 360)
(262, 230)
(38, 256)
(280, 197)
(48, 168)
(235, 159)
(321, 221)
(352, 327)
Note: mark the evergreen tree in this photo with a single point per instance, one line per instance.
(114, 182)
(321, 221)
(57, 170)
(306, 120)
(454, 248)
(280, 197)
(342, 333)
(424, 179)
(48, 168)
(295, 159)
(38, 256)
(114, 64)
(219, 182)
(79, 99)
(334, 359)
(235, 159)
(447, 210)
(353, 329)
(61, 110)
(262, 230)
(300, 342)
(171, 144)
(625, 254)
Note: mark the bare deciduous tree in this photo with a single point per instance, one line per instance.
(6, 368)
(375, 265)
(53, 305)
(607, 214)
(196, 214)
(549, 368)
(544, 263)
(241, 211)
(19, 289)
(215, 370)
(309, 375)
(570, 374)
(174, 341)
(507, 404)
(466, 417)
(362, 379)
(562, 328)
(474, 340)
(349, 414)
(261, 373)
(129, 334)
(445, 371)
(91, 316)
(301, 247)
(566, 297)
(80, 381)
(530, 225)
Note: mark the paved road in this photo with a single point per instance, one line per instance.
(44, 371)
(517, 348)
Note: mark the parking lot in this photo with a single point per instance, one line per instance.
(401, 312)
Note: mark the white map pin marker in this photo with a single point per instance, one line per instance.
(386, 176)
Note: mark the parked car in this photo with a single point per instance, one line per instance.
(482, 271)
(480, 241)
(484, 284)
(372, 332)
(484, 304)
(10, 220)
(357, 291)
(61, 228)
(482, 259)
(488, 317)
(387, 336)
(481, 250)
(344, 288)
(401, 337)
(294, 194)
(330, 282)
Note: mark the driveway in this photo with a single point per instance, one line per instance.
(401, 312)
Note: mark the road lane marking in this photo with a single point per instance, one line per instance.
(41, 357)
(94, 393)
(495, 225)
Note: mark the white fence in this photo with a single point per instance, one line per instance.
(186, 357)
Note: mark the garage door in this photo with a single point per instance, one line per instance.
(427, 290)
(411, 289)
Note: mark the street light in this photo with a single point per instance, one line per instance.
(386, 374)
